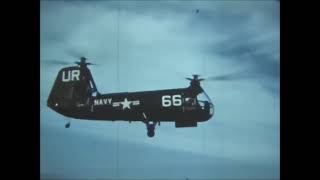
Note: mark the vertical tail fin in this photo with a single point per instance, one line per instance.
(72, 88)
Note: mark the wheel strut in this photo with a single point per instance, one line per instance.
(150, 125)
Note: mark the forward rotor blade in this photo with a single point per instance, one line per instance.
(94, 64)
(201, 79)
(230, 77)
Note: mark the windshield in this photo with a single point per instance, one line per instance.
(201, 101)
(202, 97)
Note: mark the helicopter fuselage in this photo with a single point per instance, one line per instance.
(75, 95)
(161, 105)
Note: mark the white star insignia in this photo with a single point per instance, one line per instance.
(125, 104)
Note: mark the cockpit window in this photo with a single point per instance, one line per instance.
(202, 97)
(199, 102)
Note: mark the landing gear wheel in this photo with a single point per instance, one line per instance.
(150, 133)
(150, 128)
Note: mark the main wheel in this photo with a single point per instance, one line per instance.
(67, 125)
(150, 133)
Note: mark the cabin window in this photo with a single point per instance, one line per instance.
(190, 101)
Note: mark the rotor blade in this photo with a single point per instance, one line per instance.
(77, 55)
(55, 62)
(230, 77)
(74, 54)
(94, 64)
(194, 78)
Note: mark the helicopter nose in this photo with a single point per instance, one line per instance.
(211, 111)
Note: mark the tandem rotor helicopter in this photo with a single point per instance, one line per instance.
(75, 95)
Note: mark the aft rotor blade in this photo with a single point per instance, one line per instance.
(94, 64)
(55, 62)
(74, 54)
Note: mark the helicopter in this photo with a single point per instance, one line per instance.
(74, 94)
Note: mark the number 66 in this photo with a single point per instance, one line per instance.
(176, 100)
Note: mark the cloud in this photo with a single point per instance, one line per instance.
(136, 161)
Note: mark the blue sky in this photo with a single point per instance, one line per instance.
(161, 43)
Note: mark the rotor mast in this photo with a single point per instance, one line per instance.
(195, 84)
(83, 67)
